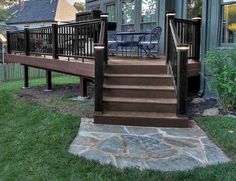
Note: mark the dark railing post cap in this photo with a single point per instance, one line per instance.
(99, 46)
(183, 47)
(196, 18)
(170, 13)
(104, 15)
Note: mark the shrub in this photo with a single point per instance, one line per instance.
(222, 66)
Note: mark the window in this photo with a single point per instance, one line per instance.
(149, 10)
(194, 8)
(111, 10)
(127, 11)
(149, 13)
(229, 21)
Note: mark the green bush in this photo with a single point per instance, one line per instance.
(222, 66)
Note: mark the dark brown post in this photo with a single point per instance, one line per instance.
(100, 58)
(104, 17)
(26, 77)
(8, 42)
(48, 80)
(169, 16)
(182, 79)
(27, 45)
(83, 87)
(197, 38)
(54, 55)
(55, 41)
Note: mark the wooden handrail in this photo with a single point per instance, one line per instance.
(177, 59)
(174, 33)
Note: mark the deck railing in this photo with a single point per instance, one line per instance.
(17, 41)
(68, 40)
(182, 43)
(188, 32)
(84, 39)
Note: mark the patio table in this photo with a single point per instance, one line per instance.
(129, 39)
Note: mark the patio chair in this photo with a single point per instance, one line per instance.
(150, 41)
(112, 42)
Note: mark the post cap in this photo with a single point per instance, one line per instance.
(170, 14)
(104, 15)
(183, 47)
(196, 18)
(99, 46)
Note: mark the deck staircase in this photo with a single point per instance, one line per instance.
(140, 94)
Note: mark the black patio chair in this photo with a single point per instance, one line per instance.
(150, 41)
(112, 42)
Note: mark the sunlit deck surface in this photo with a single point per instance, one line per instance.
(85, 67)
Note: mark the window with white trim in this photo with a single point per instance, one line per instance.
(228, 21)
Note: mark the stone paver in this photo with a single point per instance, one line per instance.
(164, 149)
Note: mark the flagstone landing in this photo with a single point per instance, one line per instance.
(164, 149)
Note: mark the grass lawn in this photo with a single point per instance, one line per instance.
(34, 141)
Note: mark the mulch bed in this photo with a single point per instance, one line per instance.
(196, 110)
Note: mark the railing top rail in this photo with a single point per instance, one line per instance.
(82, 22)
(86, 22)
(18, 31)
(185, 21)
(41, 28)
(174, 33)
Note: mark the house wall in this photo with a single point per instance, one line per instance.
(210, 38)
(163, 7)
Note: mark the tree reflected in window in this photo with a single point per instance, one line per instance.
(128, 12)
(229, 23)
(149, 10)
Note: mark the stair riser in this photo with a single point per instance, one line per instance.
(157, 81)
(136, 69)
(139, 93)
(151, 122)
(140, 107)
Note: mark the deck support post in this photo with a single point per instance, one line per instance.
(54, 55)
(83, 87)
(48, 80)
(100, 59)
(182, 79)
(26, 77)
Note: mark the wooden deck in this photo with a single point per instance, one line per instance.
(85, 68)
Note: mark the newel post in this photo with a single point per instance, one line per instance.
(182, 79)
(100, 59)
(104, 17)
(197, 37)
(8, 42)
(169, 16)
(55, 41)
(27, 42)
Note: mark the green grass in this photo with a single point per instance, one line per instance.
(34, 141)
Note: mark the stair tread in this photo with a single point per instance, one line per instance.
(138, 75)
(138, 87)
(140, 100)
(140, 114)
